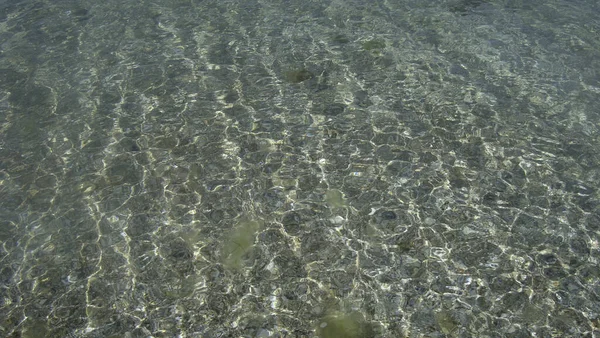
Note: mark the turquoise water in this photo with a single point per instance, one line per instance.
(299, 168)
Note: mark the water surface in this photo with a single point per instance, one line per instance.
(299, 168)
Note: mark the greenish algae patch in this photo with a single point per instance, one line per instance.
(239, 243)
(445, 321)
(335, 199)
(373, 44)
(298, 75)
(343, 325)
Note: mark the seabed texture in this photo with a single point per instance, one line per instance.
(332, 169)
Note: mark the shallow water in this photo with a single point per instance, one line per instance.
(299, 168)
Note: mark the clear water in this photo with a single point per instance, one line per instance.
(300, 168)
